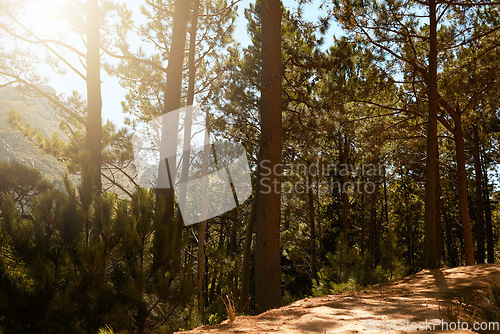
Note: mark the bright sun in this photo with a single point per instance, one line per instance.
(48, 18)
(58, 59)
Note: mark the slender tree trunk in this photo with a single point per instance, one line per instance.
(188, 119)
(212, 296)
(220, 280)
(468, 245)
(232, 251)
(233, 234)
(450, 249)
(268, 215)
(408, 225)
(439, 221)
(247, 258)
(480, 251)
(94, 99)
(372, 226)
(192, 53)
(386, 205)
(320, 230)
(431, 170)
(202, 229)
(462, 193)
(487, 207)
(364, 240)
(168, 238)
(343, 192)
(186, 155)
(312, 223)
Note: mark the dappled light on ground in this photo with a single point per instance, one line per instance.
(427, 295)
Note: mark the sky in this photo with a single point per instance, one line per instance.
(112, 93)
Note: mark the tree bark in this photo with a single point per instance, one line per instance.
(364, 237)
(320, 230)
(462, 193)
(247, 259)
(344, 153)
(372, 226)
(439, 221)
(202, 237)
(450, 249)
(94, 98)
(312, 223)
(489, 228)
(458, 134)
(268, 212)
(480, 250)
(431, 170)
(386, 205)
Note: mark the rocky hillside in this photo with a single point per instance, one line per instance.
(13, 146)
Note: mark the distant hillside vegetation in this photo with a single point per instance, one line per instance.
(39, 114)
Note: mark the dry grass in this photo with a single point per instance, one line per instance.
(230, 308)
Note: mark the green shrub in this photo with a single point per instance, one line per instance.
(80, 263)
(348, 271)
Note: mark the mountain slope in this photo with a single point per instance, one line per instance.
(13, 146)
(461, 293)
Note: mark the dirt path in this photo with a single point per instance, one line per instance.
(448, 294)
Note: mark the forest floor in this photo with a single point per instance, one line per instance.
(458, 294)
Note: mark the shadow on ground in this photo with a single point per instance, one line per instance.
(427, 295)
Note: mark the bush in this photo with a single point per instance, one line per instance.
(348, 271)
(82, 262)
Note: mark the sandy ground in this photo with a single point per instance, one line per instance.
(448, 294)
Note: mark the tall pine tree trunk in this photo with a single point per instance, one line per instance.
(94, 99)
(462, 192)
(462, 180)
(480, 251)
(431, 169)
(268, 210)
(168, 237)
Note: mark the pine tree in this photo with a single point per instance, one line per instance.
(268, 193)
